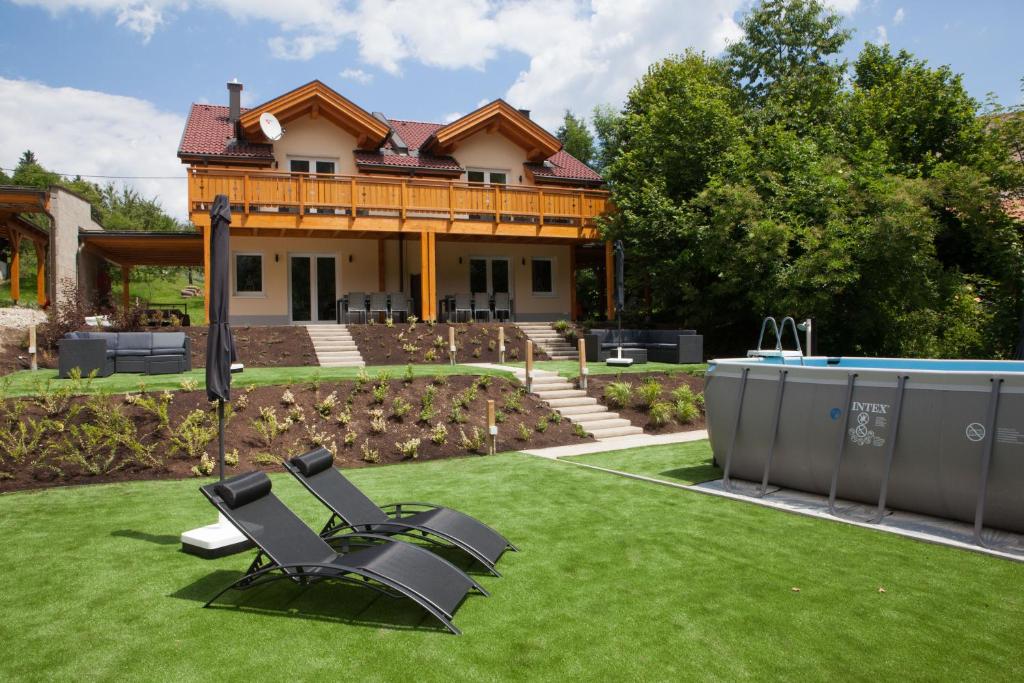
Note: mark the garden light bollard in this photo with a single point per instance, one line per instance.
(451, 344)
(529, 365)
(33, 361)
(501, 344)
(581, 350)
(492, 426)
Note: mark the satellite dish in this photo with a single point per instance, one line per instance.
(270, 126)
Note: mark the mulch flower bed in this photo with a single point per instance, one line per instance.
(401, 343)
(637, 408)
(57, 439)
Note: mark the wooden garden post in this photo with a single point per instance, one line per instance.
(492, 426)
(501, 344)
(529, 365)
(34, 364)
(581, 348)
(451, 344)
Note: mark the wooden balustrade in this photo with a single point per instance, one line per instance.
(267, 192)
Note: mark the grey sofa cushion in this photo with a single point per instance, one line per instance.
(168, 343)
(134, 343)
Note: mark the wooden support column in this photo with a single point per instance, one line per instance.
(126, 294)
(206, 271)
(609, 279)
(15, 238)
(432, 257)
(573, 313)
(41, 298)
(424, 276)
(381, 267)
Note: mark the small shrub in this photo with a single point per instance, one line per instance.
(440, 380)
(267, 459)
(400, 407)
(484, 382)
(438, 342)
(555, 417)
(378, 425)
(513, 353)
(474, 443)
(389, 323)
(427, 413)
(205, 467)
(523, 432)
(295, 415)
(476, 352)
(659, 413)
(156, 405)
(561, 326)
(267, 426)
(409, 376)
(499, 417)
(542, 424)
(369, 454)
(231, 457)
(648, 393)
(380, 392)
(240, 402)
(683, 393)
(189, 384)
(362, 379)
(492, 344)
(327, 404)
(430, 356)
(578, 430)
(344, 417)
(314, 382)
(410, 348)
(618, 394)
(439, 434)
(349, 438)
(514, 403)
(288, 398)
(409, 449)
(456, 416)
(193, 434)
(685, 412)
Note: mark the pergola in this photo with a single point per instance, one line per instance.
(15, 201)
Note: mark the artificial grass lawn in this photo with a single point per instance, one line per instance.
(27, 382)
(681, 463)
(618, 579)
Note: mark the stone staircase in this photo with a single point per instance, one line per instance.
(334, 346)
(550, 342)
(576, 406)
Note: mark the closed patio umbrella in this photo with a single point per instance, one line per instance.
(620, 298)
(220, 345)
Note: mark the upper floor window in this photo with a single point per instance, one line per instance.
(320, 166)
(487, 176)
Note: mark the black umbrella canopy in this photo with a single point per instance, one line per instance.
(220, 345)
(620, 275)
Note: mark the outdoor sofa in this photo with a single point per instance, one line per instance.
(289, 549)
(664, 346)
(152, 353)
(352, 511)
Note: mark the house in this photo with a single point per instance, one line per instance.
(346, 200)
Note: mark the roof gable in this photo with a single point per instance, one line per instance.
(497, 116)
(316, 99)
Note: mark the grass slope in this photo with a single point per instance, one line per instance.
(617, 580)
(26, 382)
(680, 463)
(571, 368)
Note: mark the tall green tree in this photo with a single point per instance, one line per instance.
(576, 138)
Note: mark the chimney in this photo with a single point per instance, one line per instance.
(234, 104)
(524, 112)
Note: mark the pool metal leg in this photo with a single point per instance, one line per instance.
(726, 482)
(986, 458)
(775, 433)
(890, 450)
(842, 445)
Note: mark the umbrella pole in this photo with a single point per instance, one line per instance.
(220, 426)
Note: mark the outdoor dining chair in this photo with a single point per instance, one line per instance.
(502, 304)
(378, 304)
(355, 305)
(481, 304)
(463, 304)
(399, 305)
(352, 511)
(288, 549)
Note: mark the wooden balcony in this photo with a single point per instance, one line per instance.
(272, 202)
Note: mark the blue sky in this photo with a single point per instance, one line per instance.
(102, 86)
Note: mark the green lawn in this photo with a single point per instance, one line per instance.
(26, 382)
(682, 463)
(571, 368)
(618, 579)
(166, 291)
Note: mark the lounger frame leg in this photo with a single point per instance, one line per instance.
(726, 481)
(986, 459)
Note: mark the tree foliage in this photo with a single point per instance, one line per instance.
(576, 138)
(780, 180)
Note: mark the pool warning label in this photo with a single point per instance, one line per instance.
(862, 434)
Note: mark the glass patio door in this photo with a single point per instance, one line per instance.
(489, 274)
(313, 284)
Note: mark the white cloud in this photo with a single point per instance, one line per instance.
(94, 133)
(357, 75)
(881, 35)
(483, 101)
(843, 6)
(898, 18)
(453, 116)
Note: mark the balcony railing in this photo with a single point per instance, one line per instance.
(301, 194)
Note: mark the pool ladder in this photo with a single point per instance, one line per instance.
(988, 446)
(778, 331)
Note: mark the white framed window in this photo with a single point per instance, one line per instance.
(313, 165)
(487, 176)
(542, 276)
(248, 273)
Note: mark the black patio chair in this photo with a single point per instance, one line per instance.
(352, 511)
(288, 549)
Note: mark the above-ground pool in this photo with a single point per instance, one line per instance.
(937, 437)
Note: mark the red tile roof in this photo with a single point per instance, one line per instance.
(208, 133)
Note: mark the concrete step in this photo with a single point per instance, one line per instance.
(543, 389)
(571, 401)
(546, 378)
(335, 346)
(343, 364)
(564, 357)
(325, 337)
(560, 393)
(591, 416)
(576, 412)
(615, 432)
(604, 425)
(338, 355)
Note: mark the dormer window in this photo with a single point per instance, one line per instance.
(486, 176)
(318, 166)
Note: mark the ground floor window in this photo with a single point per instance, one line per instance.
(542, 276)
(248, 274)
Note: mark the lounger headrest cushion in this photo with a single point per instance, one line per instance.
(242, 489)
(314, 462)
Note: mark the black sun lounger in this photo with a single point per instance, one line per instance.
(352, 511)
(288, 549)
